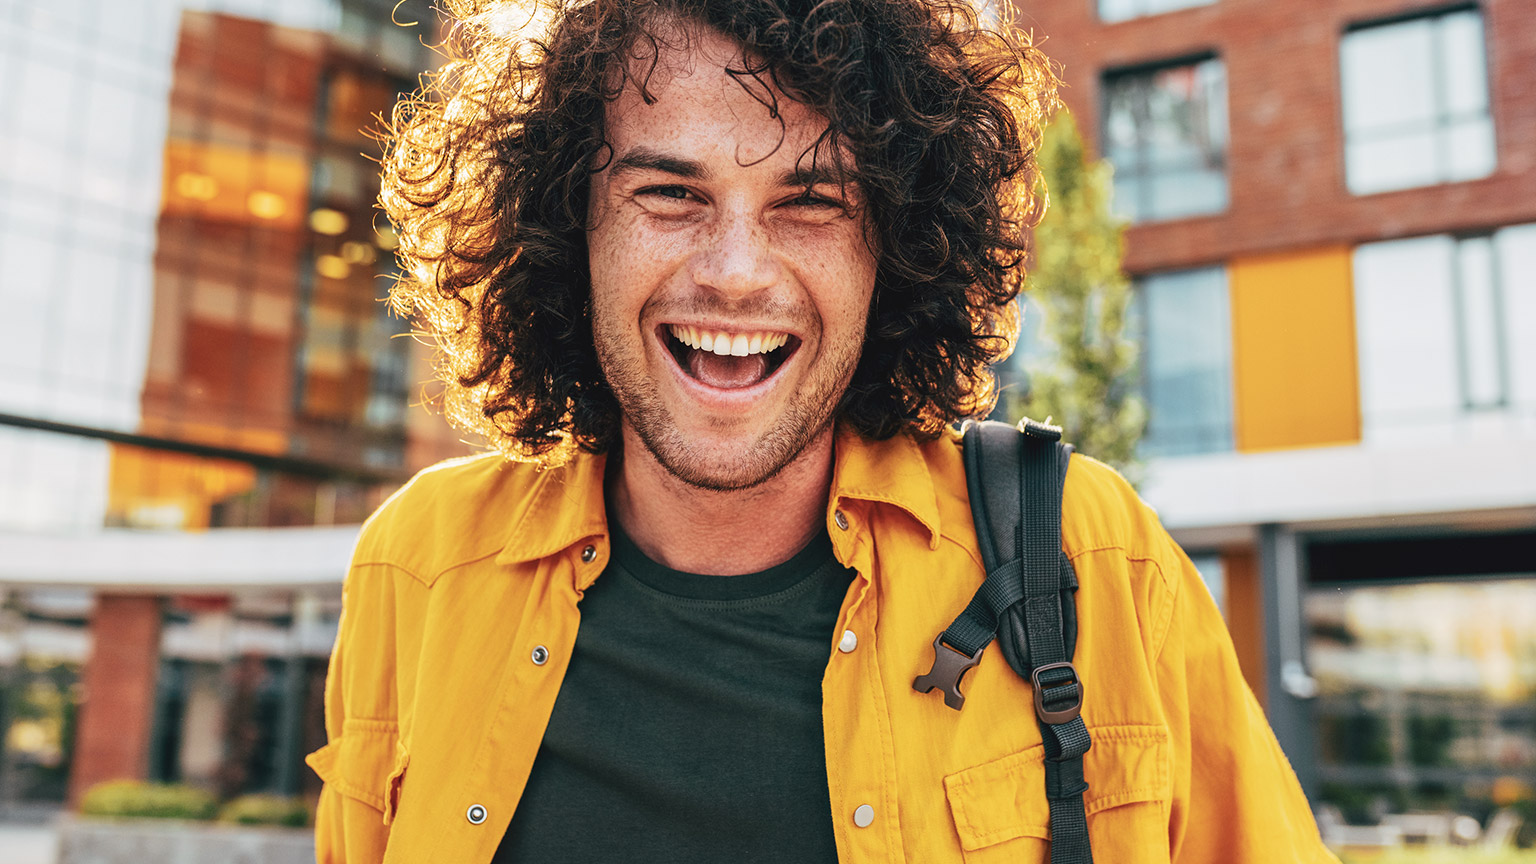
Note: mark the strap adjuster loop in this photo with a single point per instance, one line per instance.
(1062, 715)
(1064, 778)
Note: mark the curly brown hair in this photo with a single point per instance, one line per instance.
(487, 172)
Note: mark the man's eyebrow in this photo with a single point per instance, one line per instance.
(646, 159)
(808, 176)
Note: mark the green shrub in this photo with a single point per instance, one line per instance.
(266, 810)
(134, 799)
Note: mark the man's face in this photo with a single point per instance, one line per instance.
(728, 304)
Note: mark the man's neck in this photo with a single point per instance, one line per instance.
(721, 533)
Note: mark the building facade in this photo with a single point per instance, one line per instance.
(204, 381)
(1333, 230)
(1331, 214)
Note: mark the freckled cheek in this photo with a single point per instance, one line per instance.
(630, 270)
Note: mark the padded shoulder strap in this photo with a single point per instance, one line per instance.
(993, 480)
(1015, 480)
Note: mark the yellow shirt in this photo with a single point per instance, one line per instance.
(461, 610)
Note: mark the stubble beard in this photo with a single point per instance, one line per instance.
(806, 417)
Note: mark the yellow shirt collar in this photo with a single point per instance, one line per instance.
(566, 504)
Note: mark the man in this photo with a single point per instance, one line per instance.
(728, 271)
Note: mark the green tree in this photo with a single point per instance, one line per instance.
(1083, 373)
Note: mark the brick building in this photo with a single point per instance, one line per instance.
(1332, 210)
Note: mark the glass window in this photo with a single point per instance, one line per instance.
(44, 641)
(1121, 10)
(1165, 131)
(1416, 103)
(1407, 350)
(1515, 264)
(241, 684)
(1444, 327)
(1427, 697)
(1186, 362)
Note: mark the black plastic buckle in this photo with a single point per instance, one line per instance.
(1065, 715)
(949, 666)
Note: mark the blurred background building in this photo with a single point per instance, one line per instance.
(198, 377)
(1332, 209)
(1333, 234)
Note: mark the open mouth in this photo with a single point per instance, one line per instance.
(729, 360)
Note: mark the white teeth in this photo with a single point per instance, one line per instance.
(726, 343)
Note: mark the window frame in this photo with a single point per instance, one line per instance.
(1137, 170)
(1442, 119)
(1161, 447)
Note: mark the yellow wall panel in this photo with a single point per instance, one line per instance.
(1245, 617)
(1293, 350)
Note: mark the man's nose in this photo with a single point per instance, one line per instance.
(737, 259)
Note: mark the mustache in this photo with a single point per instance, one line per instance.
(710, 305)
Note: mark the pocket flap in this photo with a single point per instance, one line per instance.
(366, 762)
(1005, 798)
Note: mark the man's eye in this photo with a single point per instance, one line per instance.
(813, 200)
(676, 193)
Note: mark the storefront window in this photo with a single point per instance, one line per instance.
(1427, 698)
(44, 641)
(241, 690)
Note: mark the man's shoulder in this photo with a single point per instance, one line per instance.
(456, 511)
(1099, 507)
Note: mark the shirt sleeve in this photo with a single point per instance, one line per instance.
(356, 762)
(1236, 799)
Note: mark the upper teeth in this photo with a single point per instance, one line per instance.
(723, 342)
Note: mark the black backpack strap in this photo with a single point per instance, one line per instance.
(1027, 604)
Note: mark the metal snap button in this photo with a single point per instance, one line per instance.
(864, 816)
(540, 655)
(840, 519)
(849, 642)
(476, 814)
(589, 554)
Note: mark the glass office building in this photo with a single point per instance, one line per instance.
(197, 355)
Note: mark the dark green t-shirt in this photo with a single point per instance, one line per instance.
(688, 727)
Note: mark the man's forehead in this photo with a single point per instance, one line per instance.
(688, 86)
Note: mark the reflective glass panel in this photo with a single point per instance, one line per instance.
(1406, 344)
(1415, 99)
(1165, 131)
(1187, 362)
(1516, 265)
(1426, 709)
(1482, 377)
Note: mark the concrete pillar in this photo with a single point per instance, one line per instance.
(117, 711)
(1289, 687)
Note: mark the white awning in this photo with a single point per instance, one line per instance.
(216, 560)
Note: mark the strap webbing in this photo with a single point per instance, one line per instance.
(1039, 544)
(1026, 602)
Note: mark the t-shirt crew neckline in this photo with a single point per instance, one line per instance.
(697, 586)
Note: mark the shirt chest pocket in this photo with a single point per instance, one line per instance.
(366, 763)
(1001, 813)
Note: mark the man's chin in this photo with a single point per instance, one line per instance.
(728, 465)
(720, 469)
